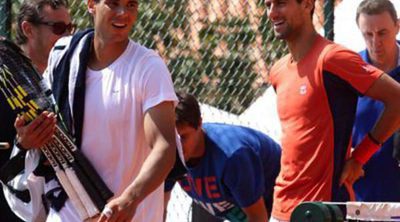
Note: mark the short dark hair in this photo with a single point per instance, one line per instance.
(374, 7)
(312, 11)
(31, 11)
(188, 110)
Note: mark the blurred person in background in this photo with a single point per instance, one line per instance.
(378, 23)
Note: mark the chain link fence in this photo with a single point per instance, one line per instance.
(5, 18)
(219, 50)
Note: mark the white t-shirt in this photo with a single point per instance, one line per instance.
(113, 139)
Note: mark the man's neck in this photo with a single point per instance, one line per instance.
(104, 54)
(301, 44)
(37, 61)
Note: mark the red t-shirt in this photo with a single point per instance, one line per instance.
(317, 99)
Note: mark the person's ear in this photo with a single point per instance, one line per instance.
(26, 28)
(397, 26)
(90, 6)
(309, 4)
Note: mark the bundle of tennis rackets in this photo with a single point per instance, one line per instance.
(28, 95)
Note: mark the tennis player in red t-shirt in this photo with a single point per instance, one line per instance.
(317, 85)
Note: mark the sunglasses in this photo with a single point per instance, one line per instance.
(59, 28)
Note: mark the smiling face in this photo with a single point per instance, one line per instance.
(379, 32)
(287, 17)
(113, 19)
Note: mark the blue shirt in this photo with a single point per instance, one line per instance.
(382, 173)
(239, 166)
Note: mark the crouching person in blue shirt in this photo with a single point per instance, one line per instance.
(228, 170)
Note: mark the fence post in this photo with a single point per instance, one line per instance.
(5, 18)
(329, 19)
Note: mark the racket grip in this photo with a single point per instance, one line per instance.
(93, 176)
(90, 187)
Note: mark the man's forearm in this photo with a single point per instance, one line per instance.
(386, 90)
(388, 123)
(153, 173)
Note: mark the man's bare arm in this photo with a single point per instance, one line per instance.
(257, 211)
(159, 127)
(386, 90)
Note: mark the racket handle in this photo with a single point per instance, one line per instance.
(93, 176)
